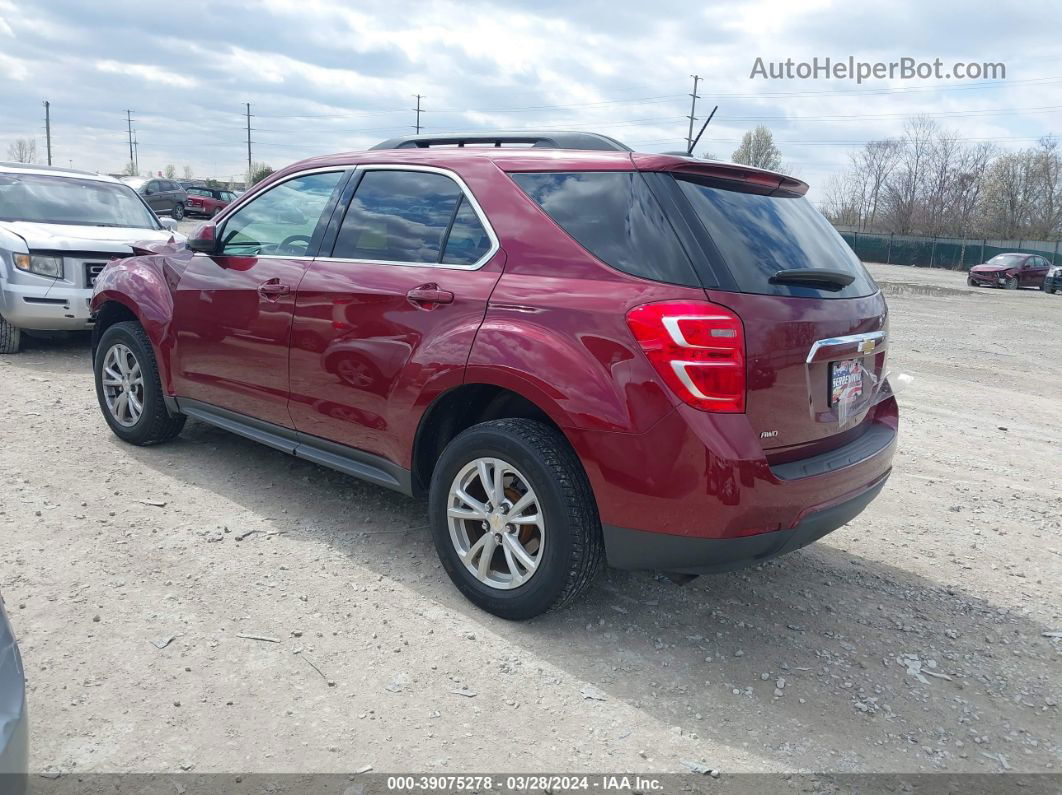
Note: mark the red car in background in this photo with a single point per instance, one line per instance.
(574, 351)
(207, 202)
(1010, 271)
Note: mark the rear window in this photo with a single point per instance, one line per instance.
(759, 235)
(615, 217)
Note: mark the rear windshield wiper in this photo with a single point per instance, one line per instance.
(814, 277)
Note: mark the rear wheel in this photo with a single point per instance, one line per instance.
(1011, 283)
(10, 337)
(513, 518)
(128, 387)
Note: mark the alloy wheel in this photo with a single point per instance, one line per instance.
(496, 523)
(123, 385)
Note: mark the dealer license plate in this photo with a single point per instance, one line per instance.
(846, 381)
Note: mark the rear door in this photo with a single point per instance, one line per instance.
(386, 321)
(815, 352)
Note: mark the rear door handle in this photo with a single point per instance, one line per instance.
(430, 294)
(273, 289)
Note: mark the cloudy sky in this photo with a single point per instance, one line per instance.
(324, 75)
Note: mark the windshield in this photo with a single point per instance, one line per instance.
(758, 236)
(47, 199)
(1007, 260)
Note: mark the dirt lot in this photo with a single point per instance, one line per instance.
(108, 551)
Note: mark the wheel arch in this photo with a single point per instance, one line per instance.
(462, 407)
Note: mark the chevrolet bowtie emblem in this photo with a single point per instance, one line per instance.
(866, 346)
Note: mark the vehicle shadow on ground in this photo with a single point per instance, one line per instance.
(706, 657)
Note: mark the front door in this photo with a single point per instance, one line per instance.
(232, 310)
(386, 322)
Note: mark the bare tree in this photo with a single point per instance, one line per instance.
(170, 171)
(23, 150)
(187, 172)
(757, 149)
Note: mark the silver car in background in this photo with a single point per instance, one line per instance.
(58, 229)
(14, 726)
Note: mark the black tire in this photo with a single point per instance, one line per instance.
(970, 281)
(1012, 283)
(10, 337)
(573, 551)
(178, 211)
(155, 423)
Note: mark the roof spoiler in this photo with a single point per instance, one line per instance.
(538, 140)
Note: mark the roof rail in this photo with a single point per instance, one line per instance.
(541, 140)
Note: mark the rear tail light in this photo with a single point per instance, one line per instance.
(698, 348)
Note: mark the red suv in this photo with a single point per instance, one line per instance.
(576, 352)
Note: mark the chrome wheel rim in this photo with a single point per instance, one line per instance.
(123, 385)
(496, 523)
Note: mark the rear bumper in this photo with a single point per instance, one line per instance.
(696, 492)
(639, 549)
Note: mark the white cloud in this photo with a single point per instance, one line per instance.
(152, 74)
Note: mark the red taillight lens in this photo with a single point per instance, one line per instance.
(698, 348)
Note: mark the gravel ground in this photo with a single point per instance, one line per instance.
(922, 637)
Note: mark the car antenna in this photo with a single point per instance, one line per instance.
(693, 143)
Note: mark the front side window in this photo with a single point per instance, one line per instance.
(281, 221)
(412, 217)
(49, 199)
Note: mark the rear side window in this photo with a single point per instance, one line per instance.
(468, 240)
(613, 215)
(759, 235)
(412, 217)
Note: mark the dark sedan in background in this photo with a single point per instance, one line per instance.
(14, 727)
(1010, 271)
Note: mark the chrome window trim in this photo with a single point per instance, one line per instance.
(495, 245)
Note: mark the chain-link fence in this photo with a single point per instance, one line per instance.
(956, 253)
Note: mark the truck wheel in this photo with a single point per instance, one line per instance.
(513, 518)
(10, 337)
(128, 387)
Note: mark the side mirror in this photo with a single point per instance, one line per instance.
(204, 239)
(148, 191)
(168, 223)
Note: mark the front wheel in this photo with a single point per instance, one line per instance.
(513, 518)
(970, 281)
(10, 337)
(128, 387)
(178, 211)
(1011, 283)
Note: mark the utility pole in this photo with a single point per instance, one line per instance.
(136, 154)
(248, 141)
(417, 125)
(129, 127)
(48, 129)
(693, 112)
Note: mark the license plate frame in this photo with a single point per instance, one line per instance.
(845, 382)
